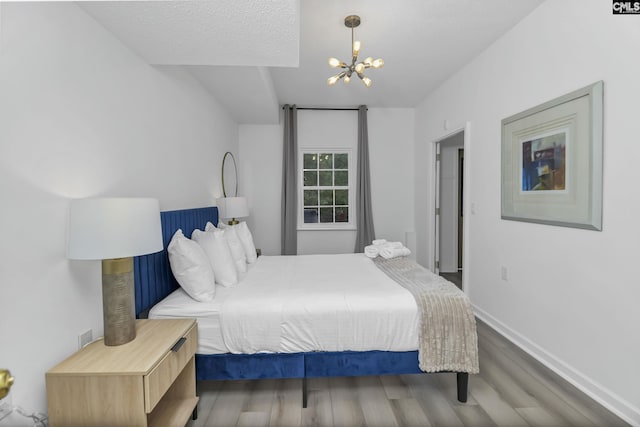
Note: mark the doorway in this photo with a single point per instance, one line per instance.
(449, 227)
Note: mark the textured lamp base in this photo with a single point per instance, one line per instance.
(118, 301)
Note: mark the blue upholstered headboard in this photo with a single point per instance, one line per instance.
(153, 277)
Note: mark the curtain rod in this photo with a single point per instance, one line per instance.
(330, 109)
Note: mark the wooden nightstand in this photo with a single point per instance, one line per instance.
(149, 381)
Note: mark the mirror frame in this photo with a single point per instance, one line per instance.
(235, 170)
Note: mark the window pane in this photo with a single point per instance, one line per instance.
(310, 215)
(326, 178)
(342, 178)
(326, 197)
(342, 197)
(310, 161)
(326, 214)
(310, 198)
(326, 161)
(342, 214)
(341, 161)
(310, 178)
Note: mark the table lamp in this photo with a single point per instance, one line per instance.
(233, 207)
(114, 230)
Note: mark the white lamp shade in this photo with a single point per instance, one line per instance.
(107, 228)
(233, 207)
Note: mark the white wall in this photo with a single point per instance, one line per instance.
(81, 115)
(391, 136)
(571, 298)
(260, 180)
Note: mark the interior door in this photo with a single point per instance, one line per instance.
(437, 211)
(460, 206)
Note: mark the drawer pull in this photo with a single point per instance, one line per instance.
(177, 345)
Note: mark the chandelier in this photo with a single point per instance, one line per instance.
(356, 67)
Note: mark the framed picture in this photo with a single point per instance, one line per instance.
(552, 161)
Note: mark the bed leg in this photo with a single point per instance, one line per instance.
(304, 392)
(463, 386)
(194, 415)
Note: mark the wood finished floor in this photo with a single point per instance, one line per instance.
(511, 390)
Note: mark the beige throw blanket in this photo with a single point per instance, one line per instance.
(448, 339)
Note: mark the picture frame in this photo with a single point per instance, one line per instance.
(552, 161)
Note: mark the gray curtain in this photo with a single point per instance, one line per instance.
(289, 238)
(364, 219)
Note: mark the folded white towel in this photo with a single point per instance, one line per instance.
(372, 251)
(391, 252)
(379, 242)
(394, 245)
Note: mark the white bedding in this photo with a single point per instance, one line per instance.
(289, 304)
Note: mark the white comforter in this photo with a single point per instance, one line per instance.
(304, 303)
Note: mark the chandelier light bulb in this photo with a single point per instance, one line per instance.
(368, 61)
(359, 67)
(366, 81)
(356, 47)
(378, 63)
(333, 79)
(335, 62)
(347, 79)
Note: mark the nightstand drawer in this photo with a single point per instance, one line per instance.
(158, 381)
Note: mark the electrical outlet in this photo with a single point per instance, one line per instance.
(85, 338)
(504, 273)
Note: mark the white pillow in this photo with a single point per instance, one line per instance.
(235, 245)
(217, 249)
(191, 267)
(245, 238)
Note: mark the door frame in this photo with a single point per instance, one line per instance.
(434, 227)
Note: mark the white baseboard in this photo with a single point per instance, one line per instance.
(614, 403)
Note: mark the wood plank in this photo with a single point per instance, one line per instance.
(229, 403)
(500, 411)
(408, 413)
(318, 411)
(208, 392)
(374, 403)
(344, 402)
(253, 419)
(474, 416)
(395, 388)
(286, 410)
(523, 370)
(261, 396)
(433, 403)
(540, 417)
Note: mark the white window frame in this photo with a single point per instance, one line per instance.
(351, 224)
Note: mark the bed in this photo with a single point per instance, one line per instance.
(154, 283)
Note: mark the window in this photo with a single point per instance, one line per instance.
(326, 193)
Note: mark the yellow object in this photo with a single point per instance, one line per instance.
(6, 381)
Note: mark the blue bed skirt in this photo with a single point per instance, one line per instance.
(305, 365)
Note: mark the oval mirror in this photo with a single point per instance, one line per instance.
(229, 175)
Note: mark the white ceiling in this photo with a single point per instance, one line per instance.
(255, 55)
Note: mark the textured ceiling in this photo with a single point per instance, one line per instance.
(216, 32)
(254, 55)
